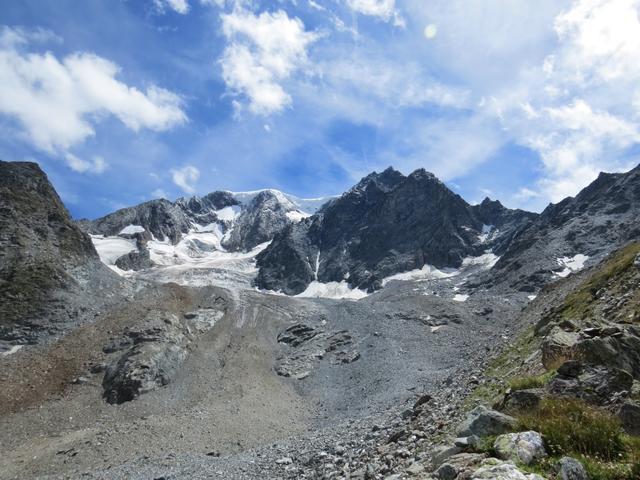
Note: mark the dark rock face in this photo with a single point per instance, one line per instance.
(265, 216)
(159, 348)
(48, 266)
(629, 415)
(620, 350)
(305, 345)
(387, 223)
(602, 217)
(135, 260)
(593, 383)
(160, 218)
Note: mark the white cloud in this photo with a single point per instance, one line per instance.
(264, 50)
(179, 6)
(525, 194)
(58, 102)
(97, 165)
(396, 85)
(601, 39)
(159, 193)
(576, 107)
(186, 177)
(383, 9)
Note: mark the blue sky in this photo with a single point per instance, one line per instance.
(123, 101)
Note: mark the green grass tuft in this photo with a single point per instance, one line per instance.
(570, 426)
(532, 381)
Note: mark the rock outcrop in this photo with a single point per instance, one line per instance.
(49, 270)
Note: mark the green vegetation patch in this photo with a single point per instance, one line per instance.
(579, 304)
(531, 381)
(590, 434)
(570, 426)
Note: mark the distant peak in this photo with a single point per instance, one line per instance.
(488, 202)
(422, 174)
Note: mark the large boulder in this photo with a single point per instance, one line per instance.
(521, 447)
(557, 346)
(159, 348)
(629, 415)
(522, 400)
(595, 384)
(483, 422)
(621, 349)
(494, 469)
(571, 469)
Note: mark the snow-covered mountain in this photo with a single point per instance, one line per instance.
(222, 230)
(388, 226)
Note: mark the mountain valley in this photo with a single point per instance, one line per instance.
(246, 335)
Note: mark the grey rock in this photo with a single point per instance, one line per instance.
(629, 415)
(617, 351)
(440, 454)
(493, 469)
(571, 469)
(446, 472)
(466, 442)
(521, 447)
(415, 469)
(159, 348)
(557, 346)
(483, 422)
(593, 383)
(137, 260)
(522, 400)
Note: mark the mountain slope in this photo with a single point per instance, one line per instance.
(387, 223)
(602, 217)
(48, 264)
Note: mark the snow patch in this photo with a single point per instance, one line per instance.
(11, 351)
(337, 290)
(487, 233)
(296, 215)
(228, 214)
(111, 249)
(427, 272)
(291, 202)
(571, 264)
(532, 297)
(131, 229)
(487, 260)
(460, 297)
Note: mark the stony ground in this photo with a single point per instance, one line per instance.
(227, 413)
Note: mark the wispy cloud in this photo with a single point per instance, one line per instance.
(58, 102)
(185, 177)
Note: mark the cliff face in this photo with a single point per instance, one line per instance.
(47, 264)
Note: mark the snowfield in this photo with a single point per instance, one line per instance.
(131, 229)
(571, 264)
(337, 290)
(111, 249)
